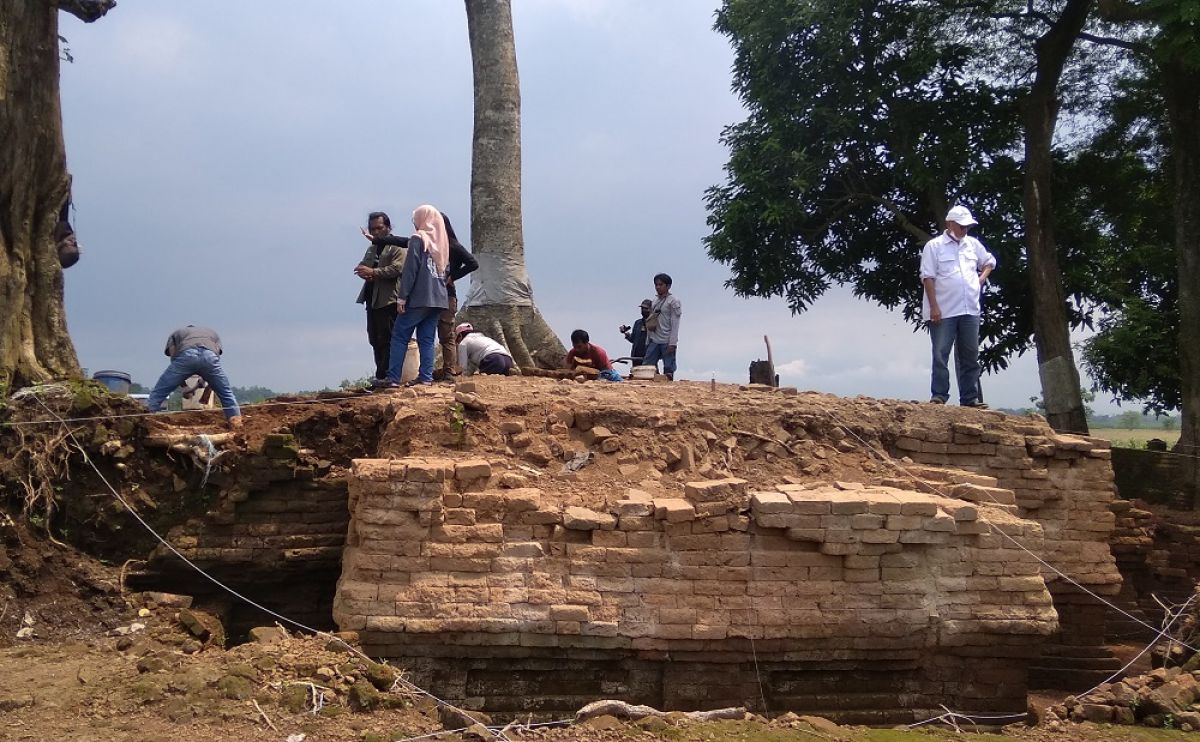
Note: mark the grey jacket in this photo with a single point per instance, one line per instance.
(186, 338)
(420, 284)
(380, 291)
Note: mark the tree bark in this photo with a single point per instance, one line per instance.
(34, 186)
(1181, 90)
(500, 302)
(1051, 331)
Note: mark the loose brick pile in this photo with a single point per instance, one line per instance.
(822, 576)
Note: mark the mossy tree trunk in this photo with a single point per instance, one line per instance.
(34, 186)
(500, 303)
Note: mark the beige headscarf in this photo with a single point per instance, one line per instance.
(432, 230)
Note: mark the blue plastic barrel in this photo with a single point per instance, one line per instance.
(117, 381)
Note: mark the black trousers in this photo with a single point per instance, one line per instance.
(379, 333)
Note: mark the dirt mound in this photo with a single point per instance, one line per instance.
(83, 666)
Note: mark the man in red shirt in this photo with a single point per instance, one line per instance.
(583, 354)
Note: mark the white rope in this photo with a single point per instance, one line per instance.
(211, 455)
(1161, 633)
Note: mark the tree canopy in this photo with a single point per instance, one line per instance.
(866, 121)
(864, 126)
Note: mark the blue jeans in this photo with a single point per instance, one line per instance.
(205, 364)
(961, 332)
(424, 321)
(656, 351)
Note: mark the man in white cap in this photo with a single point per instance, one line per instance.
(478, 352)
(954, 266)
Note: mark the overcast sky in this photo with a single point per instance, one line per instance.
(226, 153)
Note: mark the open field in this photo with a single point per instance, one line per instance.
(1136, 437)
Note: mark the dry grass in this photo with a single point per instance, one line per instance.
(1136, 437)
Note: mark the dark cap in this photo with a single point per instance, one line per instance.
(646, 303)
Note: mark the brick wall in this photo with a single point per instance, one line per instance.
(1159, 477)
(867, 603)
(1065, 483)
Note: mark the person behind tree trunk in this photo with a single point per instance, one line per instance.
(460, 264)
(478, 352)
(420, 294)
(637, 334)
(196, 350)
(379, 269)
(585, 354)
(662, 327)
(954, 266)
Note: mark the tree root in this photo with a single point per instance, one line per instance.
(764, 439)
(622, 710)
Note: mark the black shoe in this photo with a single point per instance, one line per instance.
(976, 405)
(418, 382)
(937, 400)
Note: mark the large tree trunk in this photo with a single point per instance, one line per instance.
(1181, 89)
(34, 344)
(1051, 331)
(34, 186)
(500, 303)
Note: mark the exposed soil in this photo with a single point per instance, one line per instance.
(77, 668)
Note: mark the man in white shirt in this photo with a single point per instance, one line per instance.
(954, 266)
(478, 352)
(662, 326)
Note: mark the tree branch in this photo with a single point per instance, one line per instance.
(87, 11)
(1110, 41)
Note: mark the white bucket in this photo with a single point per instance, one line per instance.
(412, 362)
(643, 372)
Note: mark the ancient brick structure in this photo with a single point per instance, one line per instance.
(1158, 553)
(1065, 483)
(276, 531)
(867, 603)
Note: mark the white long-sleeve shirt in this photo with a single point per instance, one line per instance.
(474, 348)
(954, 267)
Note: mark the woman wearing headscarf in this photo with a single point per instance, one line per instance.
(420, 294)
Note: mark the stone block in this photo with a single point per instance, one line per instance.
(569, 613)
(943, 522)
(714, 490)
(867, 521)
(583, 519)
(431, 471)
(674, 510)
(466, 472)
(770, 502)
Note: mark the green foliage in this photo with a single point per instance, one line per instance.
(866, 122)
(363, 383)
(1039, 405)
(251, 394)
(1130, 420)
(457, 417)
(1124, 185)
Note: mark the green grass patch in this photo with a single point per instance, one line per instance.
(1136, 437)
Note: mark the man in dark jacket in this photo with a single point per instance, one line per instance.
(637, 334)
(379, 269)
